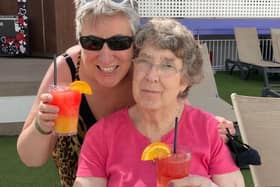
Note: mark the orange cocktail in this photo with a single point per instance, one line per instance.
(68, 101)
(175, 166)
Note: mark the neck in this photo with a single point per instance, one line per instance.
(155, 123)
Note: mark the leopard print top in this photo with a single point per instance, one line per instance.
(67, 149)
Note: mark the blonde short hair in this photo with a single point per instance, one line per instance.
(106, 7)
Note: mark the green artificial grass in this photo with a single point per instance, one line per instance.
(228, 84)
(14, 174)
(247, 177)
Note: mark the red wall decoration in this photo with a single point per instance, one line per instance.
(17, 44)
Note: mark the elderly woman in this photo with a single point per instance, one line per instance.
(168, 63)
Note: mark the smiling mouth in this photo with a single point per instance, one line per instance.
(108, 69)
(151, 91)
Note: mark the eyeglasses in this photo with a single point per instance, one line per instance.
(165, 69)
(115, 43)
(133, 3)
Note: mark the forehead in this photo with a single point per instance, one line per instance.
(150, 50)
(158, 54)
(106, 25)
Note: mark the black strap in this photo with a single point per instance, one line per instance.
(87, 116)
(71, 65)
(235, 139)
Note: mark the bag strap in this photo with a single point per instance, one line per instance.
(234, 138)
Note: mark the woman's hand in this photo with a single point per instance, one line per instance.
(222, 125)
(46, 113)
(192, 181)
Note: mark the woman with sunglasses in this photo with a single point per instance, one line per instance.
(105, 31)
(167, 64)
(103, 58)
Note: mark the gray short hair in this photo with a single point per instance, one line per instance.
(105, 7)
(169, 34)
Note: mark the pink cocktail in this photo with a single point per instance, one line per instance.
(175, 166)
(68, 102)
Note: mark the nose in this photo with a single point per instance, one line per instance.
(153, 73)
(105, 54)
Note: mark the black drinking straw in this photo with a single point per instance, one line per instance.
(54, 70)
(175, 136)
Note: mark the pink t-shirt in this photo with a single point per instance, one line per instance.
(113, 146)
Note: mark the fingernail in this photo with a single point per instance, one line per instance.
(49, 97)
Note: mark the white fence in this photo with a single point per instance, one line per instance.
(220, 50)
(210, 8)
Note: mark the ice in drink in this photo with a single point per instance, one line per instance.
(68, 102)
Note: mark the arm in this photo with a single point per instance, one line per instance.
(222, 125)
(234, 179)
(90, 181)
(223, 170)
(193, 180)
(34, 148)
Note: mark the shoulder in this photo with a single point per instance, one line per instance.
(112, 122)
(116, 119)
(63, 69)
(198, 114)
(199, 120)
(72, 52)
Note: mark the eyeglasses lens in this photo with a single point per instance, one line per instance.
(165, 70)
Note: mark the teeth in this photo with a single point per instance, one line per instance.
(108, 69)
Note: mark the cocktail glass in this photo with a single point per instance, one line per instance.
(175, 166)
(68, 101)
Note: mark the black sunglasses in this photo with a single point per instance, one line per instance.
(95, 43)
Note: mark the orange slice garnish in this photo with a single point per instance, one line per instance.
(156, 150)
(81, 86)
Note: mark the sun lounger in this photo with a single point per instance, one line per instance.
(275, 37)
(205, 94)
(258, 120)
(250, 59)
(272, 87)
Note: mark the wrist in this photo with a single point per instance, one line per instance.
(40, 130)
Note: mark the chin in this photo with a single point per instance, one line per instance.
(109, 83)
(111, 80)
